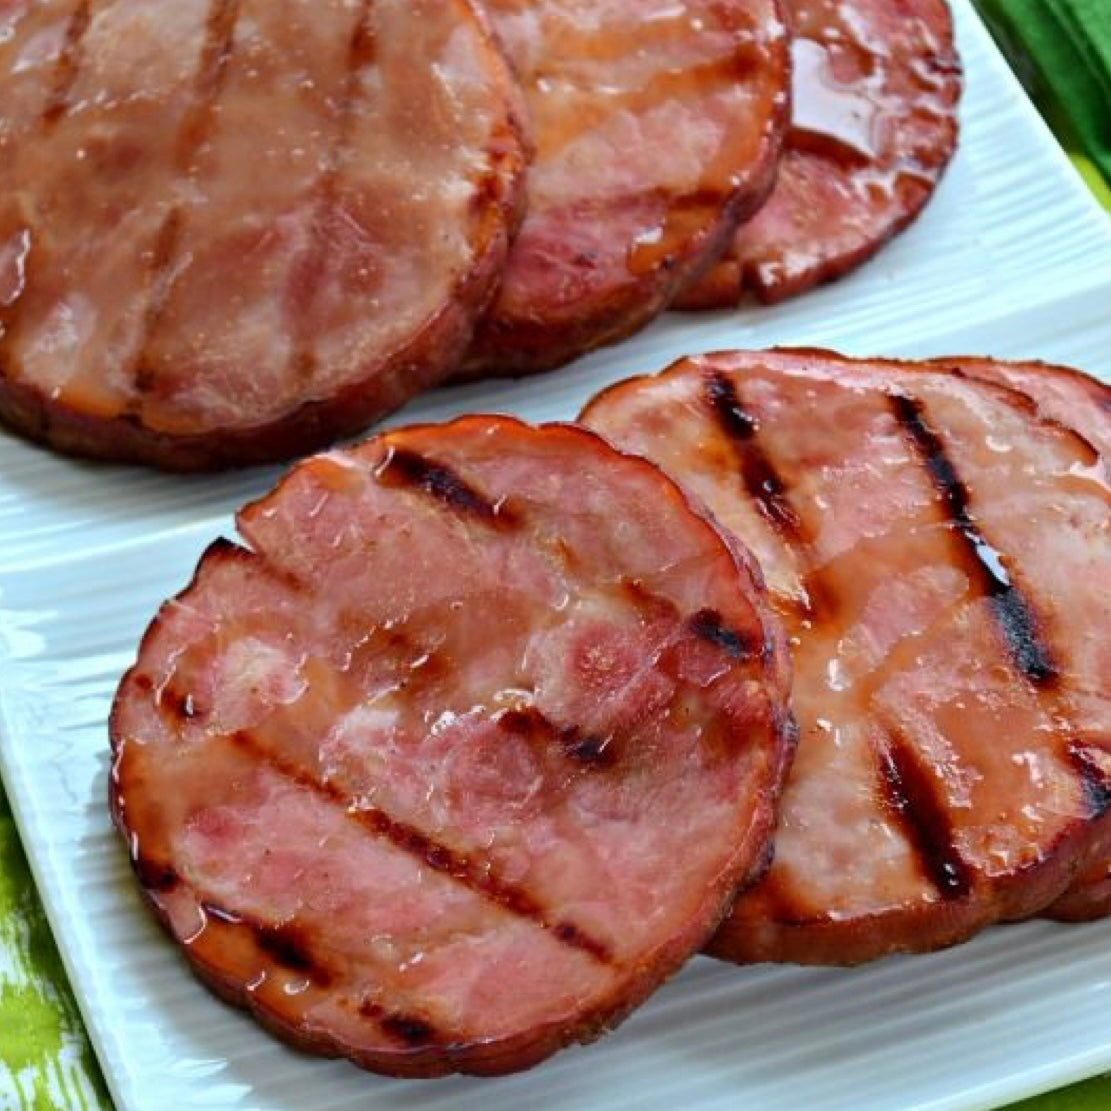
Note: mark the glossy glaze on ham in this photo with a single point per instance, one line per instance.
(1077, 401)
(940, 556)
(874, 124)
(464, 754)
(658, 125)
(231, 230)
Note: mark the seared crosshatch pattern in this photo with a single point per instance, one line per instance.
(924, 537)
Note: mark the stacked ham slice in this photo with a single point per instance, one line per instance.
(940, 556)
(488, 726)
(232, 232)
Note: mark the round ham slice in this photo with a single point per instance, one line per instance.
(874, 124)
(463, 755)
(940, 557)
(231, 230)
(658, 126)
(1077, 401)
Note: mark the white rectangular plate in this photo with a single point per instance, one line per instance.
(1012, 259)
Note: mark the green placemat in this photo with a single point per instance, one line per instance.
(1062, 48)
(45, 1059)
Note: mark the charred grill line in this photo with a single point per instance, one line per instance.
(911, 796)
(762, 481)
(154, 875)
(68, 64)
(707, 626)
(360, 52)
(402, 467)
(216, 53)
(586, 749)
(1013, 614)
(1094, 780)
(470, 872)
(219, 43)
(288, 946)
(408, 1028)
(766, 487)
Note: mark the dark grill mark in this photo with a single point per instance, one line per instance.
(592, 751)
(68, 65)
(219, 41)
(175, 704)
(528, 722)
(911, 795)
(1095, 782)
(762, 481)
(408, 1028)
(402, 467)
(154, 875)
(1013, 613)
(196, 127)
(707, 626)
(288, 946)
(472, 873)
(570, 934)
(309, 269)
(158, 292)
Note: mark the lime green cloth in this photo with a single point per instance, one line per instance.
(45, 1060)
(1092, 1095)
(1062, 49)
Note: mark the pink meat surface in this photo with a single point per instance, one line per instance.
(1084, 403)
(658, 125)
(940, 557)
(463, 755)
(874, 124)
(231, 230)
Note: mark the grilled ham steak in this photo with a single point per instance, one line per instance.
(873, 126)
(466, 752)
(213, 246)
(940, 556)
(658, 125)
(1083, 403)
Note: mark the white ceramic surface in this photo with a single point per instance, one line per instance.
(1013, 259)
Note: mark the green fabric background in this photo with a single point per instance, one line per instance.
(45, 1060)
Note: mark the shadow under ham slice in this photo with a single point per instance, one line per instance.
(464, 754)
(1083, 403)
(232, 230)
(874, 124)
(939, 555)
(658, 126)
